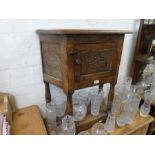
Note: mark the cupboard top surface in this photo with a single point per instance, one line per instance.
(82, 31)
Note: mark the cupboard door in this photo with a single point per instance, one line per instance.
(97, 57)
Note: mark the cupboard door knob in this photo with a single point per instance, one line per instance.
(78, 61)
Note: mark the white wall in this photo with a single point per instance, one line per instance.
(20, 61)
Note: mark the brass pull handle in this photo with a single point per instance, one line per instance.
(78, 61)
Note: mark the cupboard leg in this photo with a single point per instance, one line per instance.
(69, 109)
(47, 92)
(111, 96)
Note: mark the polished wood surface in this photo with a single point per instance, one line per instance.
(139, 126)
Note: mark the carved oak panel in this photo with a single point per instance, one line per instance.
(51, 59)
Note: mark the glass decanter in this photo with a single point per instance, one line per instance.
(146, 106)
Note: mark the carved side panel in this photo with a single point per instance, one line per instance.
(51, 59)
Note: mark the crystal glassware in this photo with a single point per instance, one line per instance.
(146, 106)
(125, 80)
(68, 125)
(79, 111)
(121, 120)
(84, 97)
(96, 100)
(79, 107)
(119, 97)
(134, 101)
(110, 123)
(60, 106)
(130, 109)
(51, 117)
(98, 129)
(83, 133)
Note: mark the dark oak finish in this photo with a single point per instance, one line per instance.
(75, 59)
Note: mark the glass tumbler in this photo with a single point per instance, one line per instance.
(98, 129)
(79, 111)
(68, 125)
(79, 108)
(146, 106)
(84, 97)
(96, 100)
(133, 107)
(60, 106)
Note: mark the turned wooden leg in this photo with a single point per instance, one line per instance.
(47, 92)
(69, 109)
(111, 96)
